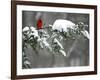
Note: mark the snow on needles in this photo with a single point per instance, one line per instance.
(86, 34)
(34, 32)
(63, 52)
(25, 28)
(56, 41)
(61, 24)
(31, 31)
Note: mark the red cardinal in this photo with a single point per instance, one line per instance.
(39, 24)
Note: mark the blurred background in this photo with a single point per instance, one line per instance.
(80, 54)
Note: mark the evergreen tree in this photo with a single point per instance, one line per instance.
(51, 37)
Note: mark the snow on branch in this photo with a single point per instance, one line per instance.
(86, 34)
(62, 25)
(25, 29)
(63, 52)
(56, 41)
(34, 32)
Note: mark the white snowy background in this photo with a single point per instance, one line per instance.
(5, 44)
